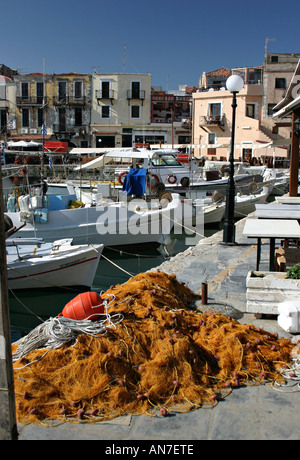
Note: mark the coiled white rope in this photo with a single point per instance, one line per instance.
(57, 331)
(291, 375)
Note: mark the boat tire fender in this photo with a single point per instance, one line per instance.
(8, 223)
(185, 181)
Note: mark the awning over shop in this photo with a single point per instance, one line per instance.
(87, 151)
(23, 144)
(56, 147)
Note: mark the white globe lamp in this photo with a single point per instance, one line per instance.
(235, 83)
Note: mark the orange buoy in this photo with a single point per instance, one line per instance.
(88, 305)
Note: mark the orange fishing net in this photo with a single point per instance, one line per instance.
(163, 356)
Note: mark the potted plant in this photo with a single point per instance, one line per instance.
(265, 290)
(294, 272)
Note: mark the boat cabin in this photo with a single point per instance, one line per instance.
(162, 165)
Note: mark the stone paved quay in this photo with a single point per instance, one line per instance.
(254, 412)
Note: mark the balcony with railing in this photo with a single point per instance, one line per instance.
(105, 94)
(63, 128)
(69, 100)
(212, 120)
(186, 123)
(136, 94)
(32, 100)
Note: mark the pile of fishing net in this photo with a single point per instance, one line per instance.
(164, 355)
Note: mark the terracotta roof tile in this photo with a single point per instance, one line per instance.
(222, 72)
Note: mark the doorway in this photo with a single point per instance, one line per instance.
(105, 141)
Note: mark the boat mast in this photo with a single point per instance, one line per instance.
(43, 125)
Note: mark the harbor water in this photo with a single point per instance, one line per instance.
(29, 308)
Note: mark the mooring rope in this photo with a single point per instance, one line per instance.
(113, 263)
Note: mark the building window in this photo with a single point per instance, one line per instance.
(3, 93)
(78, 89)
(62, 119)
(40, 117)
(24, 91)
(25, 118)
(250, 110)
(270, 109)
(3, 121)
(78, 116)
(105, 89)
(105, 111)
(274, 58)
(62, 91)
(126, 140)
(280, 83)
(39, 92)
(184, 139)
(212, 138)
(135, 111)
(214, 109)
(135, 89)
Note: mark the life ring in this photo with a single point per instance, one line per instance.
(149, 180)
(172, 179)
(120, 178)
(253, 187)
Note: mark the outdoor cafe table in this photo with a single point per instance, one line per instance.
(277, 211)
(271, 229)
(287, 199)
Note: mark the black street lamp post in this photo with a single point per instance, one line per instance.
(234, 84)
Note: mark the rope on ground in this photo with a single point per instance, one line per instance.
(291, 375)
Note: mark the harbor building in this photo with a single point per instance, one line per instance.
(120, 112)
(60, 102)
(259, 138)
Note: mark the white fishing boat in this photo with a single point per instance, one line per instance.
(281, 184)
(32, 263)
(245, 204)
(213, 208)
(163, 169)
(280, 178)
(208, 210)
(112, 223)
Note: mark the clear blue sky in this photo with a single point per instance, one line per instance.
(173, 40)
